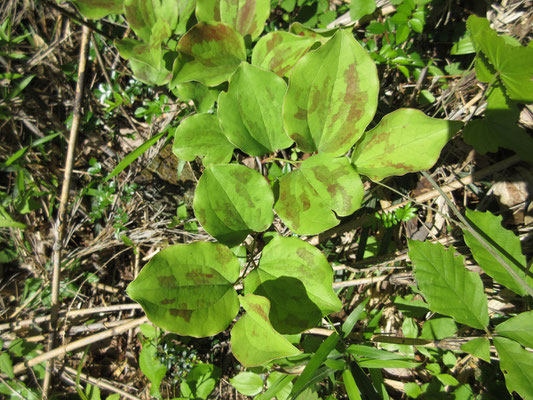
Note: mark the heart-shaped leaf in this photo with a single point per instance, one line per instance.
(96, 9)
(210, 53)
(188, 288)
(250, 111)
(405, 140)
(200, 135)
(332, 96)
(231, 201)
(310, 196)
(280, 51)
(247, 17)
(297, 279)
(253, 339)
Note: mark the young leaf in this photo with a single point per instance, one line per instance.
(513, 64)
(250, 111)
(280, 51)
(506, 244)
(231, 201)
(519, 328)
(152, 368)
(311, 197)
(516, 364)
(297, 280)
(210, 53)
(247, 17)
(332, 96)
(201, 381)
(247, 383)
(188, 288)
(200, 135)
(253, 339)
(404, 141)
(97, 9)
(478, 347)
(449, 288)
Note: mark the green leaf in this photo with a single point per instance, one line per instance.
(201, 381)
(332, 96)
(478, 347)
(321, 35)
(96, 9)
(438, 328)
(516, 365)
(505, 243)
(250, 111)
(188, 288)
(279, 386)
(247, 17)
(404, 141)
(364, 351)
(280, 51)
(152, 367)
(352, 319)
(449, 288)
(203, 97)
(210, 53)
(499, 128)
(247, 383)
(231, 201)
(7, 223)
(297, 280)
(6, 365)
(349, 384)
(360, 8)
(519, 328)
(131, 157)
(370, 363)
(311, 197)
(200, 135)
(253, 339)
(464, 45)
(513, 64)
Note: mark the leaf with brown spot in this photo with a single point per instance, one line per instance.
(247, 17)
(250, 111)
(332, 96)
(253, 339)
(310, 196)
(188, 288)
(231, 201)
(280, 51)
(404, 141)
(297, 279)
(209, 53)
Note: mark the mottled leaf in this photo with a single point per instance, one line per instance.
(209, 53)
(332, 96)
(280, 51)
(297, 280)
(404, 141)
(96, 9)
(200, 135)
(188, 288)
(311, 197)
(247, 17)
(519, 328)
(250, 111)
(231, 201)
(505, 243)
(449, 288)
(202, 96)
(513, 64)
(253, 339)
(141, 17)
(516, 364)
(478, 347)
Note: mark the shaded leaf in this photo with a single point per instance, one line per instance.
(297, 280)
(200, 135)
(203, 97)
(188, 288)
(404, 141)
(280, 51)
(332, 96)
(311, 197)
(253, 339)
(250, 111)
(516, 364)
(231, 201)
(96, 9)
(478, 347)
(449, 288)
(438, 328)
(210, 53)
(519, 328)
(201, 381)
(360, 8)
(506, 244)
(322, 35)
